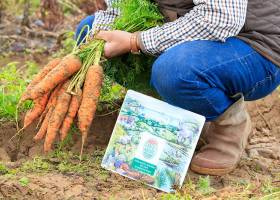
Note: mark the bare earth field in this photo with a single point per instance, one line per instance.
(61, 176)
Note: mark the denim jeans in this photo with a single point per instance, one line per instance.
(86, 21)
(206, 76)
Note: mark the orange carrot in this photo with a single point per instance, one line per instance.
(66, 68)
(36, 111)
(43, 129)
(51, 65)
(73, 109)
(51, 102)
(91, 93)
(41, 75)
(57, 116)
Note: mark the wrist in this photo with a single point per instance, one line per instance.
(138, 41)
(134, 43)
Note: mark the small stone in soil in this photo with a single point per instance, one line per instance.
(18, 47)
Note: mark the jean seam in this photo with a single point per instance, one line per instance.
(181, 78)
(239, 59)
(262, 82)
(195, 81)
(210, 103)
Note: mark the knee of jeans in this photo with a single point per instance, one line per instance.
(167, 79)
(84, 22)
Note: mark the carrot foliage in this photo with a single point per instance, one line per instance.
(136, 15)
(127, 70)
(132, 71)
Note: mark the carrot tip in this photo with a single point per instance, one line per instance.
(23, 99)
(36, 138)
(47, 149)
(84, 136)
(62, 137)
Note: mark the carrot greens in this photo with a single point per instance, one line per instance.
(135, 15)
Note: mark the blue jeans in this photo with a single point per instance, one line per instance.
(204, 76)
(86, 21)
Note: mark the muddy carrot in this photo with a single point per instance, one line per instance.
(41, 75)
(36, 111)
(73, 109)
(91, 93)
(66, 68)
(51, 102)
(57, 116)
(43, 129)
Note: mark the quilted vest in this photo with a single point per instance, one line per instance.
(261, 29)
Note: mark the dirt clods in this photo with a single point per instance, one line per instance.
(259, 163)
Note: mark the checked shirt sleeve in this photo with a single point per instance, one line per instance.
(208, 20)
(104, 18)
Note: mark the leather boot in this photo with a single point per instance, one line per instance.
(226, 140)
(203, 136)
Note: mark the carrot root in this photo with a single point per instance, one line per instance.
(91, 93)
(43, 129)
(66, 68)
(51, 65)
(73, 109)
(58, 116)
(36, 111)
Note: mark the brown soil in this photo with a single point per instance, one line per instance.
(260, 162)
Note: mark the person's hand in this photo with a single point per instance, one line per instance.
(117, 42)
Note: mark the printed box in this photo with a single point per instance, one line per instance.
(153, 141)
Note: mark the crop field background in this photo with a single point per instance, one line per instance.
(31, 33)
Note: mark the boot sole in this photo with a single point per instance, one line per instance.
(213, 172)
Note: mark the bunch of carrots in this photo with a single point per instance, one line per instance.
(63, 89)
(70, 87)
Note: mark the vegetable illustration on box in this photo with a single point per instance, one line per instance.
(153, 141)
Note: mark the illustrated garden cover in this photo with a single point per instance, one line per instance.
(153, 141)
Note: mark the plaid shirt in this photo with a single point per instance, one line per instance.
(214, 20)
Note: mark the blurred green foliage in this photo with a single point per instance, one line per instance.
(3, 169)
(16, 6)
(24, 181)
(13, 81)
(204, 185)
(67, 43)
(36, 165)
